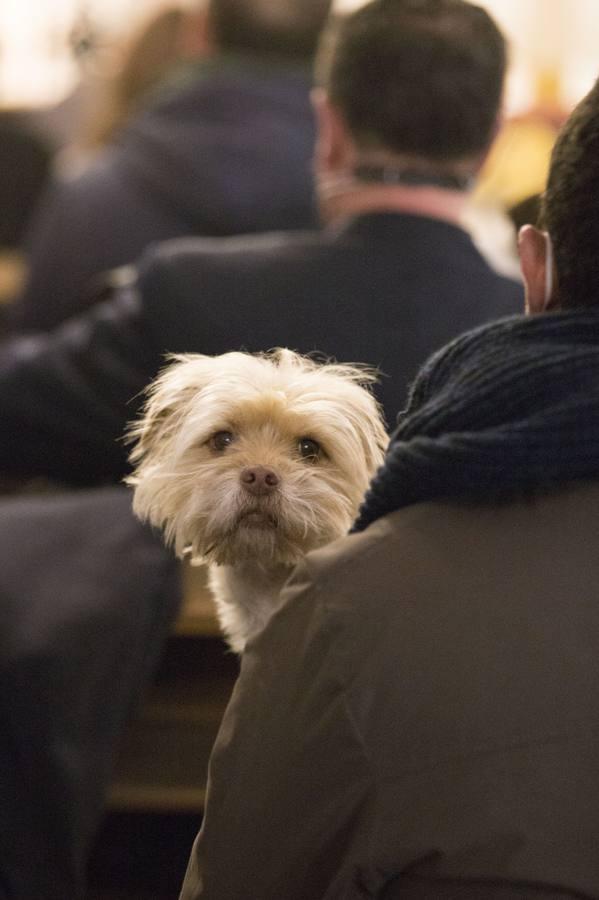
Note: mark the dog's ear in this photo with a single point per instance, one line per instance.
(370, 425)
(167, 400)
(363, 410)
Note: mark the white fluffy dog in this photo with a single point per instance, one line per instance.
(248, 462)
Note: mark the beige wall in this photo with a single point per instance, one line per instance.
(34, 65)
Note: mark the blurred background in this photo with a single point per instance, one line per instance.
(45, 45)
(73, 70)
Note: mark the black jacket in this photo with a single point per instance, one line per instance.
(386, 289)
(226, 152)
(87, 599)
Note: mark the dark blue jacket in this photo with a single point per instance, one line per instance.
(224, 151)
(385, 289)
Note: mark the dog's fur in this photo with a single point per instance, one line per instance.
(222, 463)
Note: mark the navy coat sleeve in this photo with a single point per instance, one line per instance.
(66, 397)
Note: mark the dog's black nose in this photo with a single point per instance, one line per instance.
(259, 479)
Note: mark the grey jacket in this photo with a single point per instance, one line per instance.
(424, 701)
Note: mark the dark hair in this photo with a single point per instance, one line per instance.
(525, 212)
(287, 28)
(422, 78)
(569, 208)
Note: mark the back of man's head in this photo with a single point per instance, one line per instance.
(570, 207)
(422, 79)
(275, 28)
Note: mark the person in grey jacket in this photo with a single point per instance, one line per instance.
(418, 721)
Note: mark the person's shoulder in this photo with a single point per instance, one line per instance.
(395, 555)
(199, 256)
(349, 563)
(403, 553)
(85, 182)
(347, 596)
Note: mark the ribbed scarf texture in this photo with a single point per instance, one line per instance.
(506, 410)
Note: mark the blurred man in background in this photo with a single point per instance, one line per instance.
(223, 147)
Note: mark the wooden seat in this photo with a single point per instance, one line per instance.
(12, 275)
(164, 755)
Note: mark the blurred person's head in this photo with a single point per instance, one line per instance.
(151, 53)
(410, 94)
(147, 58)
(560, 260)
(271, 28)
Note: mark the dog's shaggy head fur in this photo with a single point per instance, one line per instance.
(243, 458)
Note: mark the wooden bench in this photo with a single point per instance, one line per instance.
(163, 760)
(12, 275)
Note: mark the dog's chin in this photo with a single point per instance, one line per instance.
(264, 530)
(256, 534)
(256, 543)
(257, 519)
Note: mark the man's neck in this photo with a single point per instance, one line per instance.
(358, 199)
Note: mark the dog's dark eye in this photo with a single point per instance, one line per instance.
(309, 449)
(221, 440)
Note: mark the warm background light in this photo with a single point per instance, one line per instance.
(36, 67)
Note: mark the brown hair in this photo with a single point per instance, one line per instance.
(150, 55)
(287, 28)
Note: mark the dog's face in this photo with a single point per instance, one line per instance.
(255, 457)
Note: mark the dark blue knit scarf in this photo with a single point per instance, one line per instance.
(506, 410)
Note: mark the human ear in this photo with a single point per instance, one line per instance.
(334, 146)
(197, 41)
(536, 263)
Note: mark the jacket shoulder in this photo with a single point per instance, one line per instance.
(208, 267)
(201, 251)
